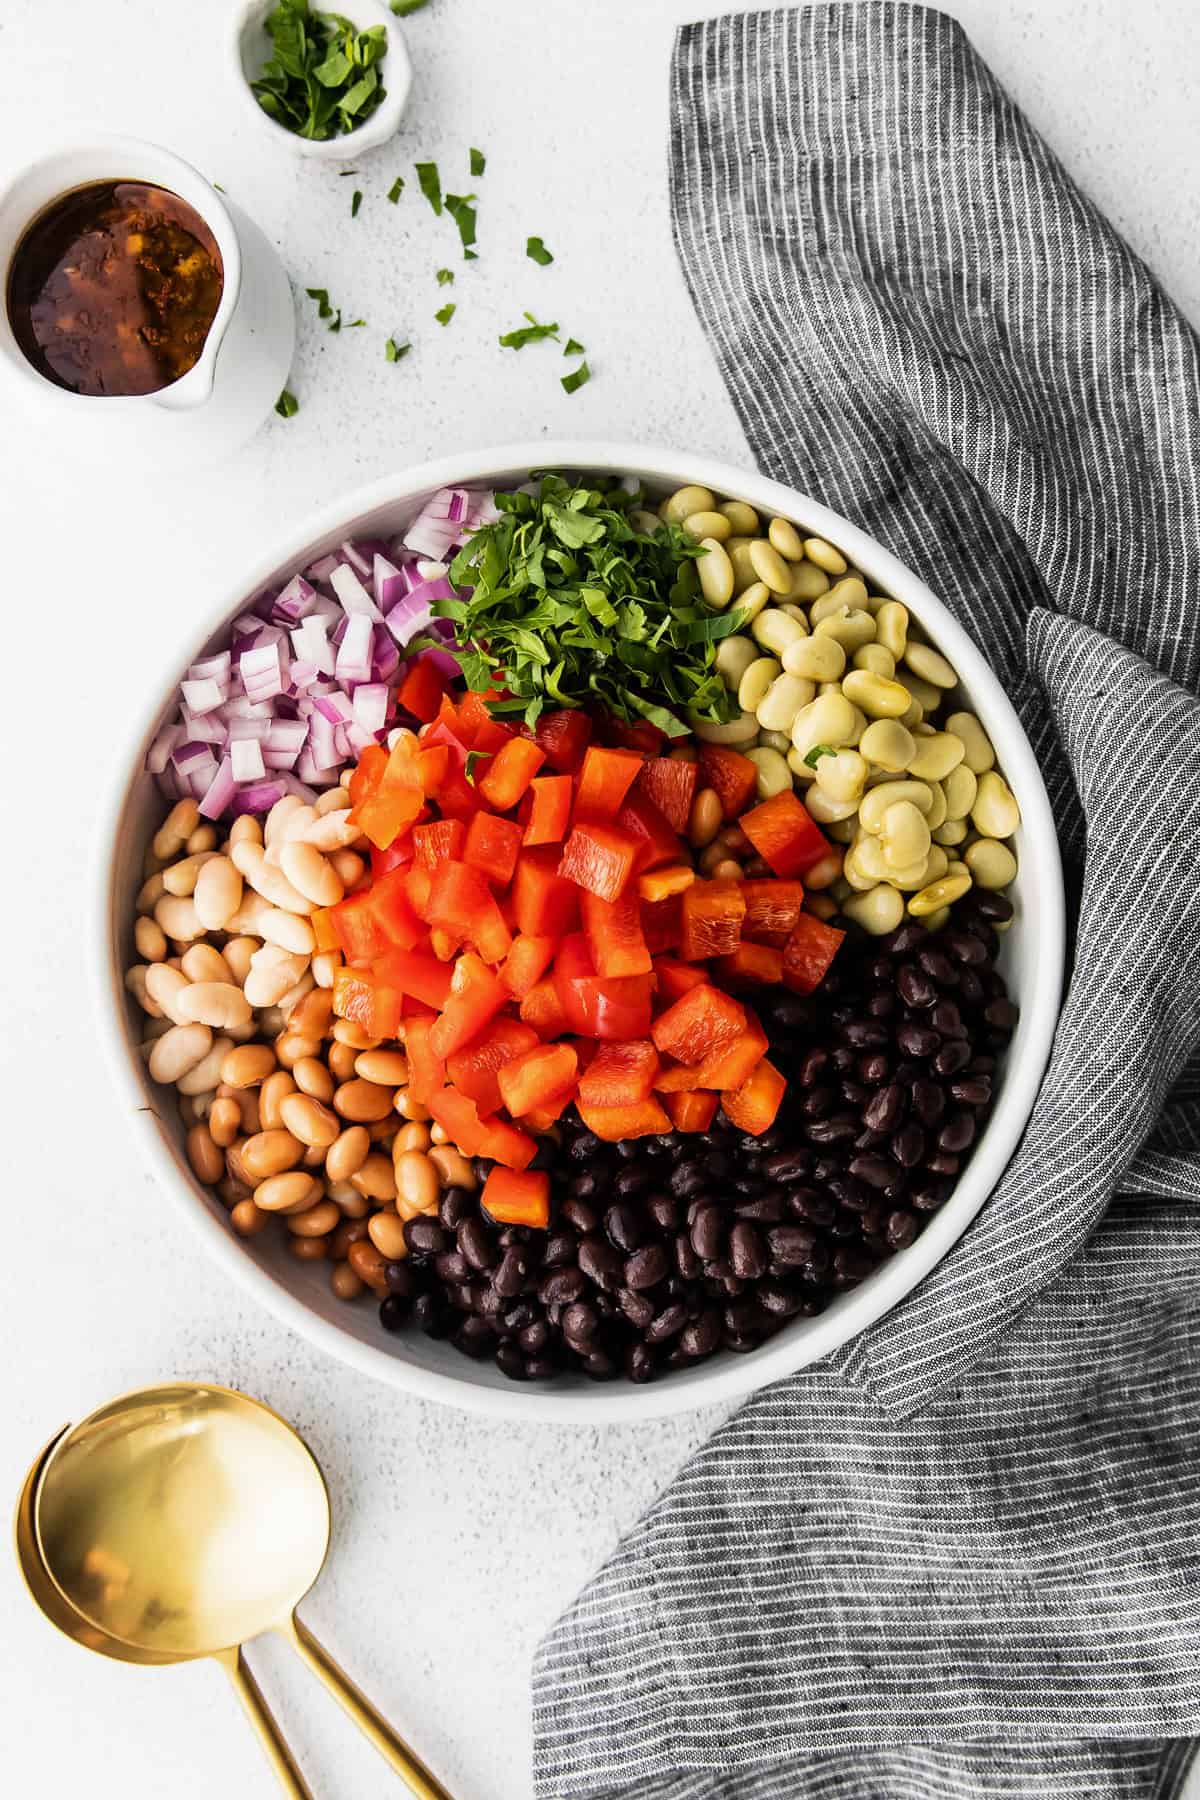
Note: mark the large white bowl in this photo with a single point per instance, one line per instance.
(298, 1293)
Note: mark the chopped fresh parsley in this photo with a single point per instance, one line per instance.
(568, 605)
(533, 333)
(478, 161)
(324, 309)
(445, 277)
(537, 252)
(351, 323)
(463, 213)
(322, 77)
(431, 185)
(817, 752)
(396, 189)
(474, 758)
(445, 313)
(572, 347)
(402, 8)
(355, 202)
(394, 351)
(575, 380)
(287, 405)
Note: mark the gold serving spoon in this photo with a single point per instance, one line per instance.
(181, 1521)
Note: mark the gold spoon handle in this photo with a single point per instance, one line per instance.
(372, 1724)
(266, 1730)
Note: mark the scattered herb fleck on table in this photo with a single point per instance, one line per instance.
(537, 252)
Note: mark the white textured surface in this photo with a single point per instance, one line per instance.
(456, 1542)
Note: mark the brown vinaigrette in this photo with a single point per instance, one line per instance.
(113, 289)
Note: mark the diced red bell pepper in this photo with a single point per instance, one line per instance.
(676, 1078)
(418, 884)
(398, 855)
(675, 979)
(546, 809)
(421, 691)
(604, 780)
(543, 1009)
(563, 736)
(526, 963)
(545, 903)
(670, 783)
(360, 996)
(368, 774)
(657, 843)
(753, 1106)
(461, 902)
(458, 1116)
(417, 973)
(731, 775)
(691, 1112)
(476, 724)
(538, 1078)
(426, 1072)
(809, 952)
(514, 1197)
(492, 847)
(438, 842)
(756, 964)
(772, 908)
(510, 772)
(712, 919)
(474, 1069)
(612, 1008)
(370, 923)
(620, 1074)
(359, 933)
(703, 1021)
(326, 936)
(784, 834)
(736, 1060)
(660, 884)
(630, 734)
(599, 858)
(456, 796)
(613, 929)
(662, 924)
(645, 1118)
(476, 996)
(543, 1117)
(444, 944)
(505, 1144)
(388, 812)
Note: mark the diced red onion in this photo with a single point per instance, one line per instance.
(220, 794)
(359, 561)
(371, 706)
(335, 707)
(247, 759)
(295, 602)
(351, 592)
(260, 797)
(159, 753)
(323, 568)
(201, 728)
(441, 523)
(385, 658)
(354, 651)
(213, 668)
(203, 696)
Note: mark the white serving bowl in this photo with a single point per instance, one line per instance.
(298, 1293)
(248, 48)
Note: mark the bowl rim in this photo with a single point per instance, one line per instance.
(375, 130)
(730, 1378)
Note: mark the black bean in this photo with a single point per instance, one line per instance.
(535, 1337)
(584, 1147)
(747, 1252)
(509, 1278)
(908, 1145)
(475, 1243)
(832, 1131)
(806, 1203)
(882, 1006)
(688, 1263)
(561, 1286)
(791, 1166)
(454, 1206)
(810, 1067)
(815, 1103)
(791, 1245)
(624, 1226)
(631, 1182)
(929, 1194)
(584, 1186)
(957, 1132)
(702, 1336)
(599, 1366)
(451, 1267)
(559, 1249)
(864, 1033)
(666, 1324)
(601, 1263)
(510, 1362)
(972, 1090)
(873, 1068)
(901, 1228)
(664, 1211)
(915, 986)
(991, 905)
(580, 1324)
(767, 1209)
(778, 1299)
(917, 1040)
(540, 1368)
(906, 938)
(688, 1178)
(876, 1171)
(851, 1266)
(431, 1315)
(579, 1214)
(946, 1019)
(426, 1236)
(1001, 1015)
(394, 1312)
(941, 1164)
(952, 1056)
(639, 1309)
(928, 1101)
(970, 988)
(647, 1267)
(639, 1363)
(402, 1279)
(885, 1109)
(708, 1233)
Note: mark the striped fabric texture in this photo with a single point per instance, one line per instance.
(960, 1561)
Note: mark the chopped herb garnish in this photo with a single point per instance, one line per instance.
(567, 604)
(324, 309)
(287, 405)
(572, 347)
(575, 380)
(445, 313)
(402, 8)
(396, 189)
(463, 213)
(474, 758)
(817, 752)
(537, 252)
(218, 187)
(322, 77)
(351, 323)
(431, 185)
(532, 333)
(478, 161)
(355, 202)
(445, 277)
(394, 351)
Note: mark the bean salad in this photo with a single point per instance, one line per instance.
(594, 1045)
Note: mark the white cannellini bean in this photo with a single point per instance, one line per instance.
(179, 1050)
(217, 894)
(164, 986)
(272, 973)
(177, 916)
(180, 877)
(267, 880)
(310, 874)
(278, 816)
(214, 1003)
(205, 1078)
(255, 918)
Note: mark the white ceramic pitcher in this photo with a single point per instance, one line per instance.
(233, 386)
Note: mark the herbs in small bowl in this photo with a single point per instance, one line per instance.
(325, 82)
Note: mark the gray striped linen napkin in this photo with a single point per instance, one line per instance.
(960, 1559)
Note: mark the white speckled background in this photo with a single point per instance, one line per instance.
(456, 1543)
